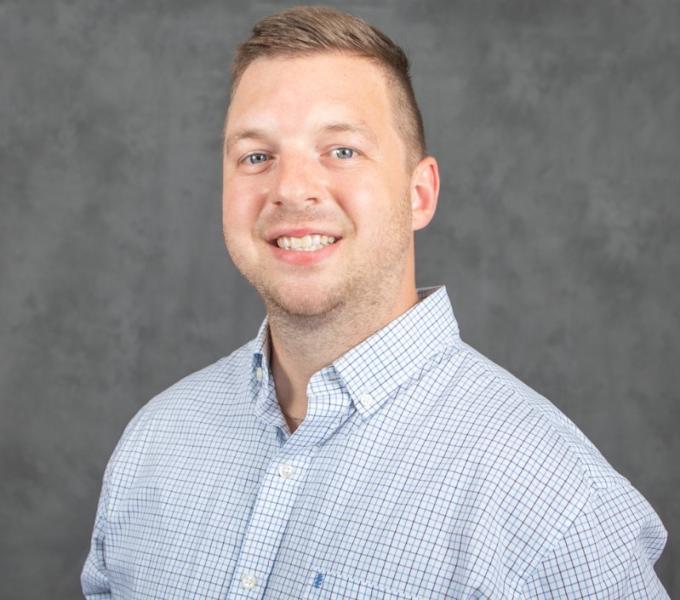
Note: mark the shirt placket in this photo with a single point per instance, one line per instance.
(281, 485)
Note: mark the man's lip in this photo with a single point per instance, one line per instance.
(299, 258)
(299, 232)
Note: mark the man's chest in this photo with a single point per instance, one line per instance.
(351, 521)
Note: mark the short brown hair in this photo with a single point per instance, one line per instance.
(303, 30)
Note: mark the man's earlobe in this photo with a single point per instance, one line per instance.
(424, 192)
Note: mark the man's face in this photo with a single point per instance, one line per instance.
(312, 148)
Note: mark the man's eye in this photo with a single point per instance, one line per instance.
(343, 152)
(256, 158)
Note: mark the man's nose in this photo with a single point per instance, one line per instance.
(298, 181)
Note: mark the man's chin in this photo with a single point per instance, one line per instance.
(302, 303)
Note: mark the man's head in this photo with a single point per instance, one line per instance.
(315, 144)
(307, 30)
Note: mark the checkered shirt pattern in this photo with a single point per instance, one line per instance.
(422, 470)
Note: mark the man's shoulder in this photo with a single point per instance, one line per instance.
(523, 466)
(208, 395)
(516, 433)
(222, 376)
(497, 445)
(213, 385)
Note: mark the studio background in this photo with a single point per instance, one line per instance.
(556, 129)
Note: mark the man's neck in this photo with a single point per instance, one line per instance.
(299, 347)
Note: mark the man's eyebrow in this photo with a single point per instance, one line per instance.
(343, 126)
(250, 133)
(253, 133)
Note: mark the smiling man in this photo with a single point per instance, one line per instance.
(356, 447)
(321, 196)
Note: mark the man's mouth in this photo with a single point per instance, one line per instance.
(306, 243)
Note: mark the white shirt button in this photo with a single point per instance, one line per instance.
(248, 581)
(286, 471)
(258, 373)
(367, 400)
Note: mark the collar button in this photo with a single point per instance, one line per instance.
(367, 400)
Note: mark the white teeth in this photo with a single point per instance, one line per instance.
(307, 243)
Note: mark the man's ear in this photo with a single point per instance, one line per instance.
(424, 192)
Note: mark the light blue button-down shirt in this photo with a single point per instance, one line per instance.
(422, 470)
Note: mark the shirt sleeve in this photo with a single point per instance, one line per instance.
(93, 579)
(608, 552)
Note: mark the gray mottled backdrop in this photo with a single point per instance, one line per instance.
(557, 128)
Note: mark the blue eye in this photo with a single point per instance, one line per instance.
(344, 152)
(256, 158)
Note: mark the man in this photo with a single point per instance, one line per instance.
(356, 448)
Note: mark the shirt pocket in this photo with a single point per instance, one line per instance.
(326, 586)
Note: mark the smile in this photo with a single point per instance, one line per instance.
(307, 243)
(309, 253)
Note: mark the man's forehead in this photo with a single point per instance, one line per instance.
(286, 60)
(268, 73)
(308, 95)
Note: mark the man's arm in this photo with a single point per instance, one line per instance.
(608, 552)
(93, 578)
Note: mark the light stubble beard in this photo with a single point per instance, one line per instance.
(355, 306)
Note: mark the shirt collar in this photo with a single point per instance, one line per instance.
(385, 360)
(374, 368)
